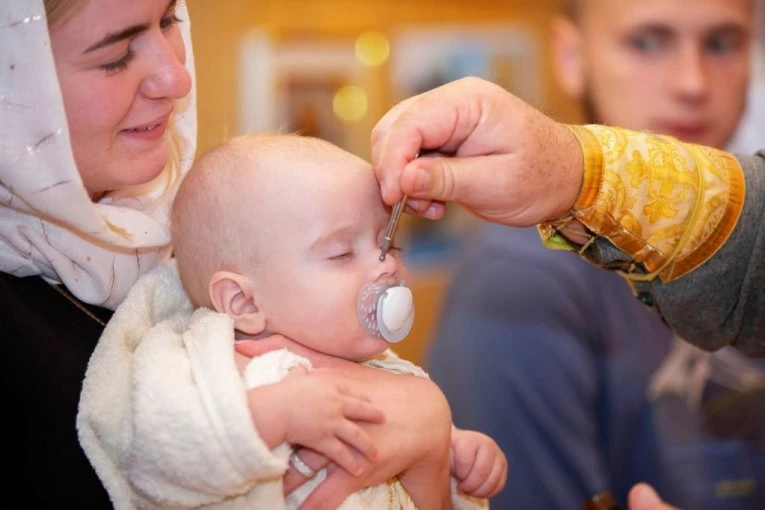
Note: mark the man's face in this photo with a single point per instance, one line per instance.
(677, 67)
(326, 225)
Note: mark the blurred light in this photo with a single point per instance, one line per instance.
(350, 103)
(372, 48)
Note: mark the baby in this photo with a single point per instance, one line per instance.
(280, 235)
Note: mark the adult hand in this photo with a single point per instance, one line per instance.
(510, 163)
(321, 414)
(402, 443)
(643, 497)
(413, 443)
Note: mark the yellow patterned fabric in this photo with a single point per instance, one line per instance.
(667, 204)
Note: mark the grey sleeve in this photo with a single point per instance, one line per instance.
(723, 301)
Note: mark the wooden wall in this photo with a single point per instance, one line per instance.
(218, 27)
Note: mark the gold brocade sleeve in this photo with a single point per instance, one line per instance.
(667, 204)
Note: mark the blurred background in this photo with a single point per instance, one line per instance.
(331, 69)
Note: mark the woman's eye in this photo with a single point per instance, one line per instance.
(342, 256)
(118, 65)
(169, 21)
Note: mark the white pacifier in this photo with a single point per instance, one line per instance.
(386, 311)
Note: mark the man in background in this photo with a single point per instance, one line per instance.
(555, 359)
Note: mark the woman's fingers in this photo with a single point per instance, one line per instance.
(314, 460)
(331, 492)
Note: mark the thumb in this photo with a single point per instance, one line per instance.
(444, 179)
(478, 183)
(643, 497)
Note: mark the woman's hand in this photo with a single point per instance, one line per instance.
(511, 164)
(413, 443)
(317, 413)
(414, 437)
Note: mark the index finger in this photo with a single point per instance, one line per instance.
(388, 174)
(438, 120)
(331, 492)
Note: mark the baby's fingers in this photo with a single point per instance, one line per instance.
(495, 482)
(352, 435)
(361, 410)
(340, 453)
(483, 482)
(475, 472)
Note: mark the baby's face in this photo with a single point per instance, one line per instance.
(325, 230)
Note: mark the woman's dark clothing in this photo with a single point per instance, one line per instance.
(47, 342)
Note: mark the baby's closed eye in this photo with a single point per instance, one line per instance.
(346, 255)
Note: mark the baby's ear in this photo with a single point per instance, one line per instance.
(232, 294)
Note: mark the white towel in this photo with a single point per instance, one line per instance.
(164, 417)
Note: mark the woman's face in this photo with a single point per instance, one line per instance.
(120, 66)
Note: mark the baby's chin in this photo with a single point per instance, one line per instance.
(367, 347)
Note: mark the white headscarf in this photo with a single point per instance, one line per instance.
(48, 224)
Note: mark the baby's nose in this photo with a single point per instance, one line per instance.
(387, 268)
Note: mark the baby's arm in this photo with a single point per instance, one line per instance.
(477, 463)
(427, 481)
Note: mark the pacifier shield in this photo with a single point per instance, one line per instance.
(386, 311)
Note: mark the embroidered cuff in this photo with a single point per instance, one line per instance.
(666, 204)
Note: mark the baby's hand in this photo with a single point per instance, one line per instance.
(321, 414)
(477, 463)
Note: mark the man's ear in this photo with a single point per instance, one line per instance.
(233, 294)
(568, 58)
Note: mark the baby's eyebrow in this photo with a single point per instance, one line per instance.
(333, 235)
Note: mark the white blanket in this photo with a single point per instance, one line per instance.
(164, 419)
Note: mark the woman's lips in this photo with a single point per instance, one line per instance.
(149, 132)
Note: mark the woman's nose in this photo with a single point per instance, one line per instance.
(167, 76)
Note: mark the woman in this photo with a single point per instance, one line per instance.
(98, 129)
(71, 247)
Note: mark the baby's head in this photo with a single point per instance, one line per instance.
(281, 232)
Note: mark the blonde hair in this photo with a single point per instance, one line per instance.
(58, 11)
